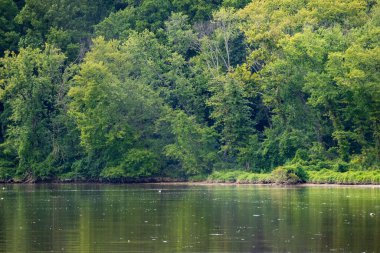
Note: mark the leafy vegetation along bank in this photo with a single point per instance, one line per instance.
(124, 90)
(293, 176)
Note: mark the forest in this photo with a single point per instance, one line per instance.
(134, 90)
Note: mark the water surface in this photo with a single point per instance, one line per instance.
(182, 218)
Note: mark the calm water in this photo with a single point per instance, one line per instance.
(139, 218)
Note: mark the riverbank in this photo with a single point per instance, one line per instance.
(281, 176)
(292, 176)
(211, 184)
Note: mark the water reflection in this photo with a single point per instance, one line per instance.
(140, 218)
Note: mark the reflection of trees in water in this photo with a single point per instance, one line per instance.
(90, 218)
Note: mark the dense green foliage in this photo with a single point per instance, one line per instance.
(119, 90)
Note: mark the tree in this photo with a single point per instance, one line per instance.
(118, 25)
(197, 10)
(346, 93)
(115, 112)
(30, 93)
(63, 23)
(225, 20)
(194, 145)
(9, 31)
(218, 43)
(181, 37)
(232, 115)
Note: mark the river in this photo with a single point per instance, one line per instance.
(188, 218)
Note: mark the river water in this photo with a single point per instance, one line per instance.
(184, 218)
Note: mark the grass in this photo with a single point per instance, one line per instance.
(350, 177)
(286, 175)
(240, 177)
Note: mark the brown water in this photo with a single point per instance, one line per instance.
(140, 218)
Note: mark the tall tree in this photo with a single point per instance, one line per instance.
(115, 112)
(232, 115)
(33, 80)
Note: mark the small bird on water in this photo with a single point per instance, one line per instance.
(372, 214)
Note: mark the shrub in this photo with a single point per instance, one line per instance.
(301, 174)
(217, 177)
(289, 175)
(231, 176)
(138, 163)
(265, 178)
(113, 173)
(241, 177)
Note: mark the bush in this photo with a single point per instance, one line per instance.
(138, 163)
(254, 178)
(113, 173)
(302, 174)
(282, 175)
(289, 175)
(230, 177)
(240, 177)
(216, 177)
